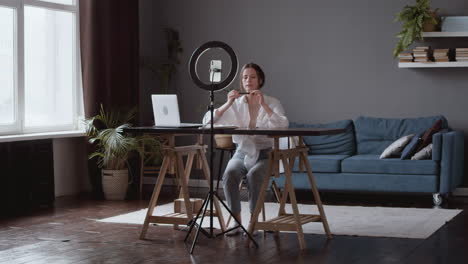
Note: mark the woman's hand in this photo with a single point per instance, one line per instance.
(258, 95)
(232, 95)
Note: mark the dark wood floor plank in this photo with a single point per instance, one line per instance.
(69, 233)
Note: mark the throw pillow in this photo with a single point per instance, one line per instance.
(396, 147)
(427, 137)
(424, 153)
(410, 149)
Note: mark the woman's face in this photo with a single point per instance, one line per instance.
(250, 80)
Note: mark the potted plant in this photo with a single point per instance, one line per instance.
(113, 148)
(416, 20)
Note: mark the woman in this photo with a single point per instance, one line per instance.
(252, 110)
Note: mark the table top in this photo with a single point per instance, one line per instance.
(238, 131)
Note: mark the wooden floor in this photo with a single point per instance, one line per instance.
(68, 233)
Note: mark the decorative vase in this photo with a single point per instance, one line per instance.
(224, 141)
(429, 26)
(115, 184)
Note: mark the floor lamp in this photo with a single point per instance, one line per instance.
(212, 87)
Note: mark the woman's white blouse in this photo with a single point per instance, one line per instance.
(238, 115)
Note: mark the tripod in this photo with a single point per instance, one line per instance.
(210, 196)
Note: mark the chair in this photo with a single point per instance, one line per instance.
(243, 183)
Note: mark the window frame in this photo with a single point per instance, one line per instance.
(18, 127)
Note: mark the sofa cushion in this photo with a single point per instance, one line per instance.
(339, 144)
(424, 153)
(370, 163)
(426, 139)
(366, 182)
(373, 134)
(396, 147)
(410, 149)
(322, 163)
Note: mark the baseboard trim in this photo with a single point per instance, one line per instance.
(460, 192)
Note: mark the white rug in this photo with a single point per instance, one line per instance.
(343, 220)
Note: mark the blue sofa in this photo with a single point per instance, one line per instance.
(350, 161)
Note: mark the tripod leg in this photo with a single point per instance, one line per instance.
(237, 221)
(200, 226)
(206, 173)
(193, 222)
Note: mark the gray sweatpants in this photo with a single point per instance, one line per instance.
(236, 171)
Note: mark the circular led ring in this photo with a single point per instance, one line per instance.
(196, 55)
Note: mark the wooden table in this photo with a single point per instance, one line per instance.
(283, 221)
(173, 158)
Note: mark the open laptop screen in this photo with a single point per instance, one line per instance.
(166, 111)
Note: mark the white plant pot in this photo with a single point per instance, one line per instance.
(115, 184)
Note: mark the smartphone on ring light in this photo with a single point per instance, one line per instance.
(215, 71)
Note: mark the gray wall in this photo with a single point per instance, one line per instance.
(70, 166)
(325, 60)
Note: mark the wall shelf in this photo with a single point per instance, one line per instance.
(451, 64)
(445, 34)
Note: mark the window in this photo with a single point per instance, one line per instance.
(40, 72)
(7, 70)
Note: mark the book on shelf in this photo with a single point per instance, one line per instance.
(441, 53)
(417, 55)
(424, 48)
(442, 60)
(461, 49)
(406, 60)
(422, 60)
(405, 55)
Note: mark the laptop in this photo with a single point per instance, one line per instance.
(166, 111)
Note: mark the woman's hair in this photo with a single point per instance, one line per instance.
(258, 70)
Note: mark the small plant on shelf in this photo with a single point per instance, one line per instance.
(416, 20)
(167, 67)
